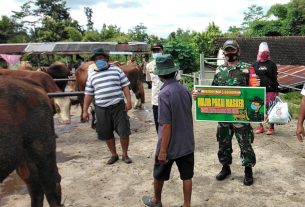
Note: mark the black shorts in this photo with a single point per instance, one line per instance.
(185, 166)
(110, 119)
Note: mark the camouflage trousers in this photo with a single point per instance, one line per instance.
(244, 135)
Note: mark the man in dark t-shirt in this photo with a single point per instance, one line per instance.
(176, 136)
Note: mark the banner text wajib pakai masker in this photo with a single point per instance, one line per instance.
(230, 104)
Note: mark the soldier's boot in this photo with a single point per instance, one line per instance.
(248, 180)
(225, 172)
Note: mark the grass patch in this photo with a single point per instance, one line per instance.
(293, 99)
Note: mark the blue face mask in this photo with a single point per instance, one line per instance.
(102, 65)
(155, 55)
(254, 107)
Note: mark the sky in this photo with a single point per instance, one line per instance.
(161, 17)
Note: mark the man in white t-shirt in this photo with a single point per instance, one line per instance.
(157, 51)
(300, 129)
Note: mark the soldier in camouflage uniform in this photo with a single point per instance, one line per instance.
(234, 73)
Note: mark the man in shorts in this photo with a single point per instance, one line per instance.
(176, 136)
(108, 85)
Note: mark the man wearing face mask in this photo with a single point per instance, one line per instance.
(234, 73)
(108, 85)
(157, 51)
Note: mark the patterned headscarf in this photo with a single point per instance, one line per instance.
(263, 52)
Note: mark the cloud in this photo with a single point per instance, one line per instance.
(125, 4)
(194, 14)
(74, 4)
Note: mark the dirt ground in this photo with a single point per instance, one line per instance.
(88, 182)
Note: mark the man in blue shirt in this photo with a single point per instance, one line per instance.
(175, 134)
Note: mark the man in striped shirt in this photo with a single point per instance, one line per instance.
(108, 85)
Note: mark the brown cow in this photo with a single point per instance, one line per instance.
(25, 65)
(132, 71)
(134, 75)
(27, 139)
(61, 105)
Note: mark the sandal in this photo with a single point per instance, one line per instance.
(126, 159)
(147, 201)
(113, 159)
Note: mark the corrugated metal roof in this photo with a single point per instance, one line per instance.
(40, 47)
(81, 47)
(12, 48)
(291, 75)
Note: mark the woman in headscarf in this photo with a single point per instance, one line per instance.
(266, 71)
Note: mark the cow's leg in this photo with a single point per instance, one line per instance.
(42, 153)
(138, 104)
(81, 103)
(50, 179)
(139, 92)
(93, 122)
(29, 174)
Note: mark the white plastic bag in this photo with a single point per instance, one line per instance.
(279, 112)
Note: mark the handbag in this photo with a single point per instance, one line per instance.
(278, 113)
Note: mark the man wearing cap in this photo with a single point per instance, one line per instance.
(176, 137)
(108, 85)
(234, 73)
(157, 51)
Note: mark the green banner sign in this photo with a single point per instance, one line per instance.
(230, 104)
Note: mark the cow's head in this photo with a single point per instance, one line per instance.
(63, 106)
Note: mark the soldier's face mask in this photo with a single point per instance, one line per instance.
(231, 54)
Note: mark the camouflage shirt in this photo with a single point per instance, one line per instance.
(232, 75)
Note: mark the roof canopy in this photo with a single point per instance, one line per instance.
(74, 48)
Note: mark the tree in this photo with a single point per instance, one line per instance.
(254, 13)
(51, 19)
(290, 20)
(234, 31)
(91, 36)
(266, 28)
(110, 32)
(205, 40)
(181, 46)
(295, 19)
(138, 33)
(89, 12)
(11, 32)
(73, 34)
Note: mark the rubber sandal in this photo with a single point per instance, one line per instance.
(147, 202)
(126, 159)
(112, 160)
